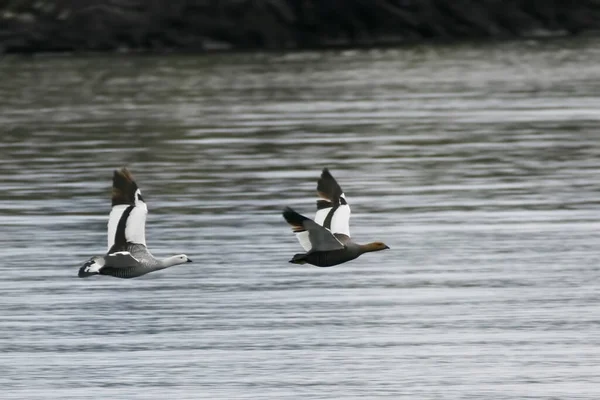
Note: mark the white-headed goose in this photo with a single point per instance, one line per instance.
(127, 255)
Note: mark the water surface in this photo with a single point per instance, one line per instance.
(477, 165)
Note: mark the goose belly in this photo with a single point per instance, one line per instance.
(329, 258)
(125, 273)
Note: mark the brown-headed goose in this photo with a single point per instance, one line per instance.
(327, 239)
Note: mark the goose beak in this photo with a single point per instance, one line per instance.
(386, 247)
(189, 260)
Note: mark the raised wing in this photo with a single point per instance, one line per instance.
(127, 219)
(311, 235)
(333, 210)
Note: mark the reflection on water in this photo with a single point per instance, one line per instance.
(477, 165)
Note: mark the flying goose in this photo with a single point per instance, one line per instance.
(127, 255)
(327, 239)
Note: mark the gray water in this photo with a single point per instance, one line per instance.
(478, 165)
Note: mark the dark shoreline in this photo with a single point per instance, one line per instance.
(180, 26)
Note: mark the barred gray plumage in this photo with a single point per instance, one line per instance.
(127, 255)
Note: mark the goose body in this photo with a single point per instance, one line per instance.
(127, 255)
(326, 239)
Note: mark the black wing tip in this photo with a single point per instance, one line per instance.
(122, 175)
(291, 216)
(124, 187)
(326, 176)
(328, 188)
(294, 219)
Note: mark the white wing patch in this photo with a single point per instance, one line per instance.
(321, 215)
(304, 240)
(135, 230)
(340, 223)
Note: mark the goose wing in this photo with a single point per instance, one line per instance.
(333, 210)
(121, 259)
(311, 235)
(127, 219)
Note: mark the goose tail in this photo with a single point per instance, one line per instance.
(299, 258)
(91, 267)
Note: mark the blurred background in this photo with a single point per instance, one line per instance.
(465, 135)
(196, 25)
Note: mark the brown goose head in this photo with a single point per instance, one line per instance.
(375, 246)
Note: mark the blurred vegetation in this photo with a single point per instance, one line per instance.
(197, 25)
